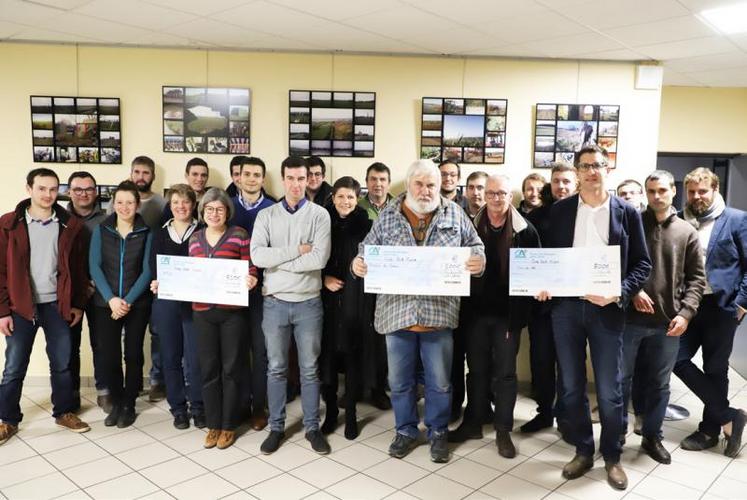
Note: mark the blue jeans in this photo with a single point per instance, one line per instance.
(178, 338)
(18, 353)
(574, 322)
(435, 349)
(658, 353)
(303, 320)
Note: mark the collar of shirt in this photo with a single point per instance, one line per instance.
(292, 210)
(175, 236)
(30, 219)
(249, 205)
(603, 206)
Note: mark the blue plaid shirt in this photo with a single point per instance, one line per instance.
(450, 227)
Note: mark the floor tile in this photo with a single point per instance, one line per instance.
(161, 430)
(23, 470)
(358, 456)
(361, 487)
(468, 473)
(123, 441)
(489, 457)
(539, 473)
(173, 472)
(146, 456)
(214, 458)
(396, 473)
(435, 487)
(249, 472)
(56, 441)
(661, 489)
(322, 472)
(50, 486)
(421, 456)
(725, 487)
(555, 455)
(509, 487)
(208, 486)
(585, 488)
(132, 485)
(74, 495)
(286, 487)
(320, 495)
(86, 475)
(187, 442)
(290, 456)
(76, 455)
(14, 450)
(693, 477)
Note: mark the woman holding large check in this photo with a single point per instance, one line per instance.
(222, 329)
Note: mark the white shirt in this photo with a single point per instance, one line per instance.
(704, 236)
(592, 224)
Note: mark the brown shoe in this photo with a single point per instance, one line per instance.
(6, 432)
(212, 438)
(226, 439)
(71, 422)
(616, 475)
(258, 421)
(577, 467)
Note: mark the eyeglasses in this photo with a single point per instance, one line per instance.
(496, 194)
(215, 210)
(589, 166)
(80, 191)
(453, 175)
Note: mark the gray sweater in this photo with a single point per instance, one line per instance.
(277, 235)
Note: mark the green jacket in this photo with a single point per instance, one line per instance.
(370, 208)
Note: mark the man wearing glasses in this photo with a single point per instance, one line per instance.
(594, 218)
(318, 190)
(450, 175)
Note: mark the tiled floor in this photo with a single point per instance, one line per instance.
(153, 460)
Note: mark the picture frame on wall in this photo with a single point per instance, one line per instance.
(206, 120)
(467, 130)
(562, 129)
(331, 123)
(76, 129)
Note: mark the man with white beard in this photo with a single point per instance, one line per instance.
(421, 325)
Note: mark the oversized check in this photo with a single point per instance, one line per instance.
(196, 279)
(565, 272)
(410, 270)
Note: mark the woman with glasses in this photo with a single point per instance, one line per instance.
(223, 333)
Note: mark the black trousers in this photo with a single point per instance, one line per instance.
(491, 357)
(350, 363)
(76, 334)
(124, 388)
(222, 342)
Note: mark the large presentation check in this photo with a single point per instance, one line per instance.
(212, 281)
(565, 272)
(411, 270)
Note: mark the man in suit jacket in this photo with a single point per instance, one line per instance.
(595, 218)
(722, 232)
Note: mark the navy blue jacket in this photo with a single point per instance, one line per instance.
(245, 218)
(626, 230)
(726, 260)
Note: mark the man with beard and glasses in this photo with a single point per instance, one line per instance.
(421, 325)
(143, 173)
(722, 232)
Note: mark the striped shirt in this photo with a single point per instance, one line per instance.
(234, 244)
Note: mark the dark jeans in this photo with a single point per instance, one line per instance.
(491, 356)
(658, 353)
(124, 389)
(638, 387)
(543, 362)
(258, 376)
(76, 335)
(18, 353)
(575, 321)
(178, 338)
(350, 361)
(712, 329)
(222, 345)
(155, 375)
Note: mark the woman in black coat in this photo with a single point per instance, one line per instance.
(347, 312)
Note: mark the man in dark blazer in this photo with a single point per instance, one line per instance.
(722, 232)
(595, 218)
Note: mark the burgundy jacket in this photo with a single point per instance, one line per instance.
(15, 257)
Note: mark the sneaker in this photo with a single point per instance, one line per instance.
(105, 403)
(71, 422)
(734, 440)
(440, 448)
(157, 393)
(211, 440)
(126, 417)
(226, 439)
(318, 442)
(402, 445)
(181, 421)
(200, 421)
(698, 441)
(272, 442)
(6, 432)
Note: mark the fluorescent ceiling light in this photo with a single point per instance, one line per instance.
(728, 20)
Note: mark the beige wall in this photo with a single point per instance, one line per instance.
(703, 120)
(136, 76)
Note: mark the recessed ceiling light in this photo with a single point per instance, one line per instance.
(728, 20)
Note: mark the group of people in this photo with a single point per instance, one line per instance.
(307, 319)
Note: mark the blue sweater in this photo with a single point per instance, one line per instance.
(245, 218)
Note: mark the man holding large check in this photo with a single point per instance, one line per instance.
(431, 249)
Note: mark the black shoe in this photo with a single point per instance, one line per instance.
(351, 426)
(656, 450)
(380, 400)
(199, 421)
(181, 421)
(402, 445)
(464, 432)
(539, 422)
(272, 442)
(699, 441)
(318, 442)
(126, 417)
(506, 447)
(734, 440)
(440, 448)
(157, 393)
(330, 420)
(113, 417)
(105, 403)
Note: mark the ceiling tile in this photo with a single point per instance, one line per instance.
(574, 44)
(679, 79)
(135, 13)
(9, 29)
(514, 50)
(339, 37)
(26, 13)
(732, 59)
(199, 7)
(733, 77)
(739, 41)
(528, 28)
(700, 5)
(77, 24)
(168, 40)
(268, 17)
(63, 4)
(336, 10)
(614, 13)
(402, 23)
(668, 30)
(459, 40)
(43, 35)
(485, 10)
(687, 48)
(614, 55)
(214, 33)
